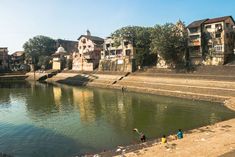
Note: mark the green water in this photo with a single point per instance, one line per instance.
(41, 120)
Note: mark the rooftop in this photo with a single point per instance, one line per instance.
(218, 19)
(18, 53)
(95, 39)
(197, 23)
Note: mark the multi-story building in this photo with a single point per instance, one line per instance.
(117, 56)
(195, 33)
(219, 36)
(4, 59)
(17, 61)
(89, 53)
(211, 41)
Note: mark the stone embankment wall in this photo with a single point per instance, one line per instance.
(12, 78)
(192, 86)
(121, 65)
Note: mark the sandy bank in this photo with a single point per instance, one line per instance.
(208, 141)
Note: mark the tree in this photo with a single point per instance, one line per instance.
(39, 46)
(140, 38)
(170, 42)
(44, 62)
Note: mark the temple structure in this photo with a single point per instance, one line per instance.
(61, 59)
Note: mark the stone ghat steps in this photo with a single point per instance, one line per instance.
(170, 86)
(181, 81)
(99, 80)
(13, 77)
(175, 93)
(226, 77)
(180, 88)
(104, 80)
(199, 70)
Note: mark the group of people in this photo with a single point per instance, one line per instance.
(179, 135)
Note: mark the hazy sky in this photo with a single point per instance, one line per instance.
(68, 19)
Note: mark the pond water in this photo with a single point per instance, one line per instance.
(60, 121)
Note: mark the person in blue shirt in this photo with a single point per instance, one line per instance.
(180, 134)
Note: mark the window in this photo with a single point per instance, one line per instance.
(80, 47)
(128, 52)
(209, 47)
(84, 47)
(107, 45)
(231, 35)
(126, 43)
(193, 30)
(194, 37)
(112, 52)
(227, 25)
(84, 41)
(119, 52)
(218, 35)
(208, 26)
(89, 46)
(196, 48)
(227, 35)
(106, 53)
(218, 47)
(218, 27)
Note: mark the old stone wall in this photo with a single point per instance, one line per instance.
(121, 65)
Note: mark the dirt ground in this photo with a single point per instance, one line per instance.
(209, 141)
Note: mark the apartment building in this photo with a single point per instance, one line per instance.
(219, 36)
(117, 56)
(211, 41)
(195, 33)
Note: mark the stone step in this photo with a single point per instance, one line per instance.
(182, 88)
(205, 85)
(175, 93)
(189, 76)
(177, 81)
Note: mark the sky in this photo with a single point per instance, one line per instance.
(21, 20)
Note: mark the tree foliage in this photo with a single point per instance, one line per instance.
(38, 47)
(169, 42)
(140, 38)
(44, 62)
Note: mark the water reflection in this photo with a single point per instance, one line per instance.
(57, 96)
(83, 102)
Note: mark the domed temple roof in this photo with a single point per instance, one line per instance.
(60, 50)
